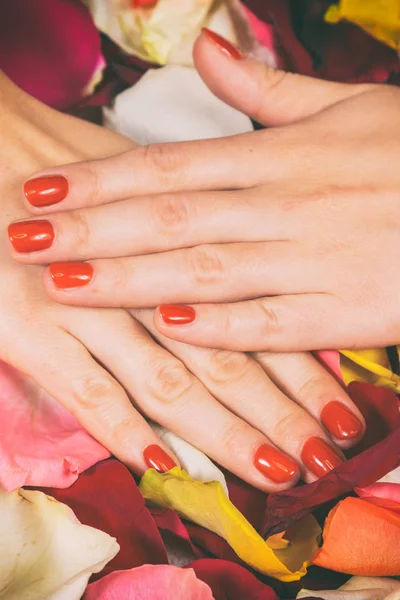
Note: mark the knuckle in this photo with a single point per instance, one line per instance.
(225, 367)
(269, 318)
(286, 425)
(80, 230)
(91, 175)
(171, 212)
(233, 437)
(96, 392)
(205, 264)
(162, 160)
(170, 382)
(314, 387)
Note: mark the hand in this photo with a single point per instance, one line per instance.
(300, 245)
(105, 368)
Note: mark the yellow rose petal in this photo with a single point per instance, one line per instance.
(207, 505)
(379, 18)
(369, 366)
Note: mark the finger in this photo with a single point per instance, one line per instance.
(217, 273)
(284, 323)
(167, 393)
(154, 169)
(67, 371)
(301, 377)
(268, 95)
(240, 383)
(151, 224)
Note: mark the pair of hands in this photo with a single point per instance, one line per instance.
(252, 400)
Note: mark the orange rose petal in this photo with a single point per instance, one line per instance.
(361, 538)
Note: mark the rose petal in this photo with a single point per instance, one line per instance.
(44, 551)
(41, 444)
(206, 504)
(150, 583)
(357, 588)
(51, 48)
(361, 538)
(193, 111)
(107, 497)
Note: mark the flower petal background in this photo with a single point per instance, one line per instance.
(150, 582)
(50, 48)
(44, 551)
(40, 442)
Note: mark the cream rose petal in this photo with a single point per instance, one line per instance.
(359, 588)
(179, 92)
(44, 551)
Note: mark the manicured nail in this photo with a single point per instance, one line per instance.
(318, 457)
(177, 314)
(45, 191)
(275, 465)
(31, 236)
(224, 45)
(67, 275)
(156, 458)
(340, 421)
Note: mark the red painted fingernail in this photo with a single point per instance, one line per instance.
(71, 274)
(340, 421)
(177, 314)
(275, 465)
(318, 457)
(45, 191)
(31, 236)
(156, 458)
(224, 45)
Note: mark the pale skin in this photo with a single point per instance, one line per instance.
(285, 239)
(105, 368)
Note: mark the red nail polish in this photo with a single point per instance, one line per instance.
(318, 457)
(156, 458)
(224, 45)
(340, 421)
(177, 314)
(45, 191)
(275, 465)
(71, 274)
(31, 236)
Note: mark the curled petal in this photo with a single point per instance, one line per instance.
(361, 537)
(207, 505)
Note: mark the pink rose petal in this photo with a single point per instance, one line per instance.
(41, 444)
(150, 582)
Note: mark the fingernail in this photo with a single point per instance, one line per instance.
(31, 236)
(71, 274)
(177, 314)
(318, 457)
(224, 45)
(340, 421)
(275, 465)
(45, 191)
(156, 458)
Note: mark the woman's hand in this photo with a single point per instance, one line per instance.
(269, 419)
(298, 242)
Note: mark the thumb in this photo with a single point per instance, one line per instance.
(267, 95)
